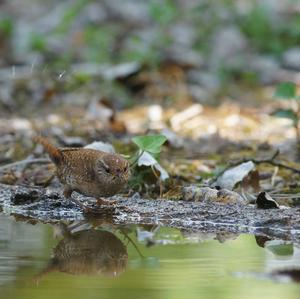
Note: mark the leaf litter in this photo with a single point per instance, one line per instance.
(113, 103)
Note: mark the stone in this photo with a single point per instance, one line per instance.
(229, 46)
(183, 34)
(266, 67)
(291, 58)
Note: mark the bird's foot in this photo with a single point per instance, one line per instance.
(102, 207)
(110, 203)
(97, 210)
(77, 202)
(101, 201)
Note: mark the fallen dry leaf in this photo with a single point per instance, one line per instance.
(265, 201)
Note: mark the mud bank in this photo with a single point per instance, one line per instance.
(49, 205)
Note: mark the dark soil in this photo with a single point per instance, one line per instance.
(49, 205)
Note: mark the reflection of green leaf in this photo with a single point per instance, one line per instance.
(150, 143)
(281, 249)
(286, 90)
(147, 262)
(287, 113)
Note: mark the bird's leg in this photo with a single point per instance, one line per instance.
(68, 194)
(110, 203)
(101, 201)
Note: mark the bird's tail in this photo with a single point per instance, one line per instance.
(53, 152)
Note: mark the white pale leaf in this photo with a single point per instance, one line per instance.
(235, 175)
(101, 146)
(163, 173)
(147, 159)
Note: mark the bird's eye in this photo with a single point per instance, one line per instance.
(107, 169)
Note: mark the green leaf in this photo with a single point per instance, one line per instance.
(281, 249)
(150, 143)
(287, 113)
(286, 90)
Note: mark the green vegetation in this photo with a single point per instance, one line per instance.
(163, 12)
(150, 143)
(70, 15)
(6, 27)
(111, 41)
(287, 91)
(38, 42)
(259, 25)
(144, 162)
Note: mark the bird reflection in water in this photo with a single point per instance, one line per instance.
(88, 252)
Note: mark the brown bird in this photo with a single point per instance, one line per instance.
(88, 252)
(90, 172)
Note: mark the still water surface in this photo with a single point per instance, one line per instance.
(46, 261)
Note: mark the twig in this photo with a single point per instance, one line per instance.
(285, 196)
(131, 241)
(24, 162)
(279, 164)
(269, 160)
(275, 172)
(257, 160)
(159, 182)
(132, 164)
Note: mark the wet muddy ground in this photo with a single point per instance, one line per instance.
(50, 206)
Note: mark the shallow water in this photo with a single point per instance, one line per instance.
(78, 261)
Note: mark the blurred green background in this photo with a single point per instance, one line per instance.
(216, 36)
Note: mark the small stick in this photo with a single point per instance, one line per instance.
(131, 241)
(132, 164)
(275, 172)
(24, 162)
(279, 164)
(159, 181)
(269, 160)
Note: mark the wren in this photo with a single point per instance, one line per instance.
(87, 171)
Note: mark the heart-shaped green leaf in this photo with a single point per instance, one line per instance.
(286, 90)
(281, 249)
(147, 262)
(150, 143)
